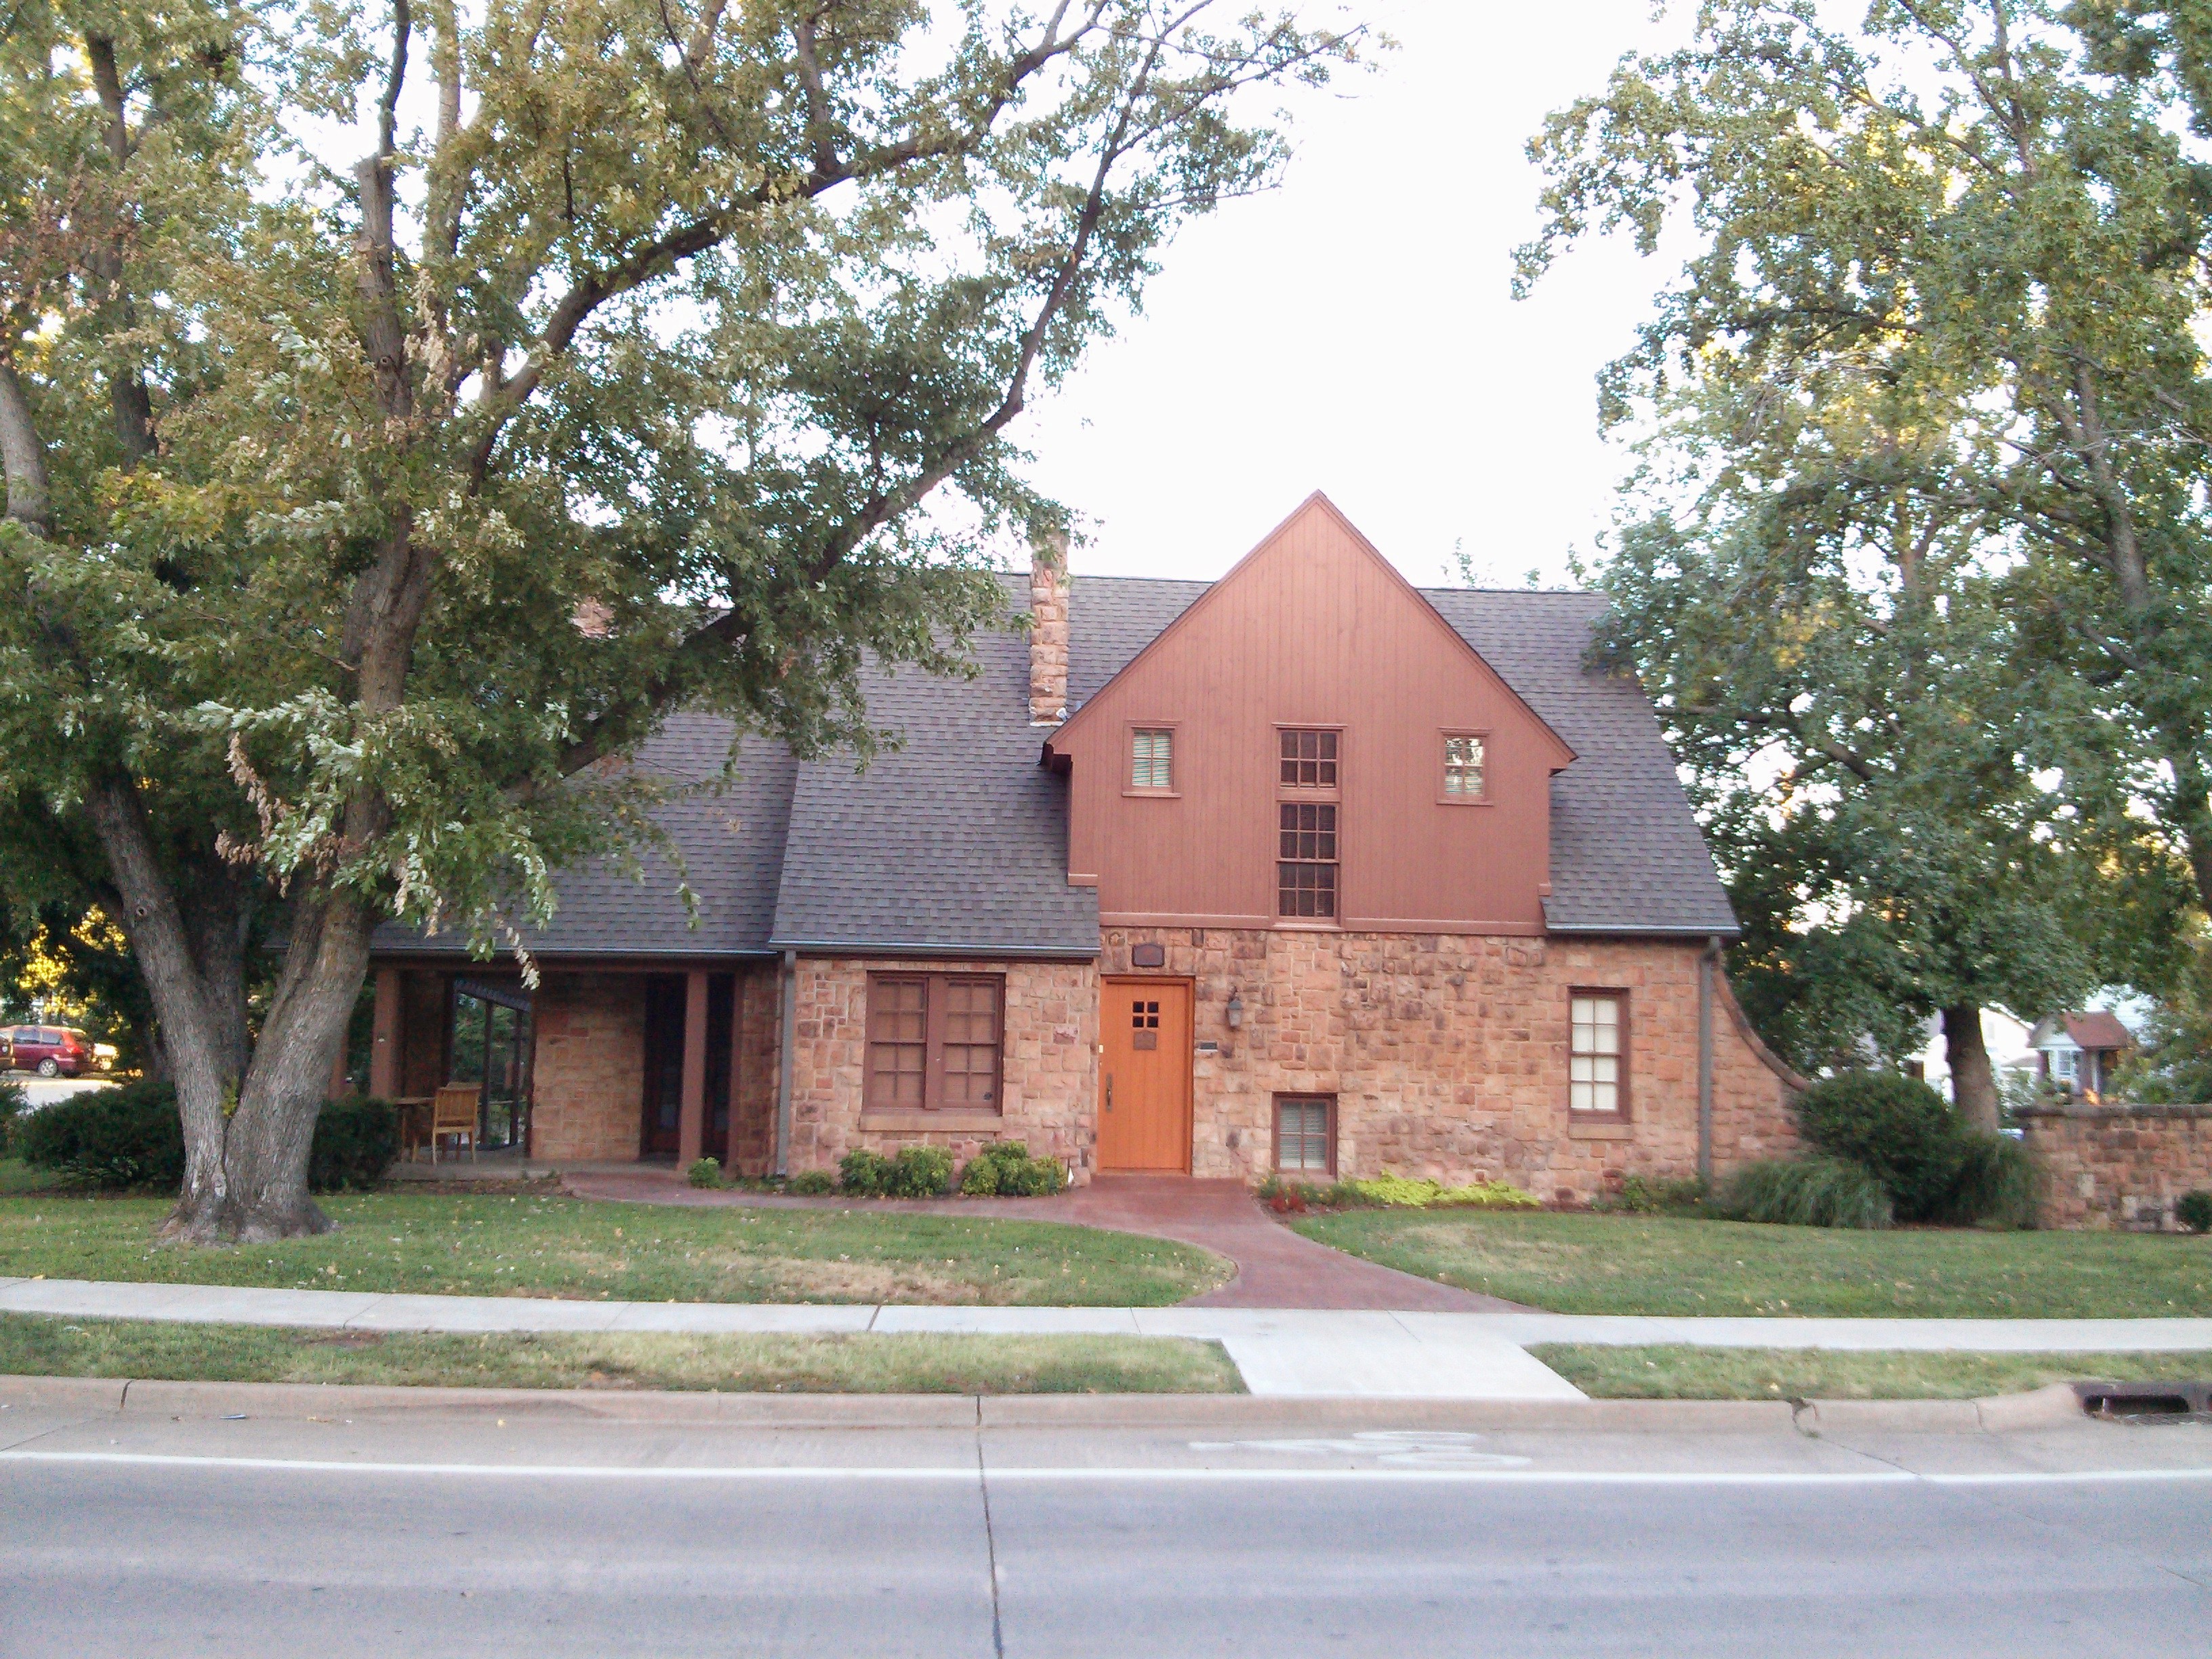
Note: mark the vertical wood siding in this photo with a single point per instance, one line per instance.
(1312, 629)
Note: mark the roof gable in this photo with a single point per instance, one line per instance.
(1341, 537)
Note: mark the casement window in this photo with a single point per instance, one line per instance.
(1465, 755)
(1151, 757)
(1308, 760)
(1306, 864)
(1305, 1135)
(935, 1041)
(1597, 1060)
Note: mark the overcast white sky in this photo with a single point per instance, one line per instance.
(1353, 332)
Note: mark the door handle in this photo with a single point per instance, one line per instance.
(1110, 1091)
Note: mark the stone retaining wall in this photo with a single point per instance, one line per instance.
(2118, 1166)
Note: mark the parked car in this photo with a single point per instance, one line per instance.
(49, 1051)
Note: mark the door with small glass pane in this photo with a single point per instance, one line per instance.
(1144, 1088)
(491, 1049)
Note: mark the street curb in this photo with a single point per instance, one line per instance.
(2045, 1408)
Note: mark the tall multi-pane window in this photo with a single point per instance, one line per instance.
(934, 1041)
(1464, 766)
(1305, 870)
(1151, 757)
(1596, 1061)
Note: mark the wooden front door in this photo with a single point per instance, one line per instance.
(1144, 1086)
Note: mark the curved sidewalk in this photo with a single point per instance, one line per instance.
(1275, 1267)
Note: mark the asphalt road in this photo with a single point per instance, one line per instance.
(478, 1536)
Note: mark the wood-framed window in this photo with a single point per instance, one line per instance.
(1467, 763)
(936, 1042)
(1305, 1135)
(1306, 861)
(1309, 758)
(1598, 1052)
(1151, 760)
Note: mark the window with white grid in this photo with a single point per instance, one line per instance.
(1596, 1079)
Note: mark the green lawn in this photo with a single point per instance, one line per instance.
(918, 1364)
(1675, 1373)
(1618, 1264)
(538, 1244)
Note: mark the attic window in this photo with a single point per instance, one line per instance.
(1465, 755)
(1151, 757)
(1308, 760)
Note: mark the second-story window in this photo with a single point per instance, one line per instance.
(1308, 760)
(1305, 870)
(1151, 757)
(1463, 766)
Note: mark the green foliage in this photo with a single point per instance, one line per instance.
(864, 1173)
(812, 1184)
(919, 1172)
(1805, 1192)
(1005, 1169)
(1933, 1165)
(1403, 1192)
(2193, 1212)
(1641, 1194)
(705, 1172)
(1919, 566)
(355, 1140)
(120, 1140)
(129, 1140)
(2173, 1066)
(13, 1102)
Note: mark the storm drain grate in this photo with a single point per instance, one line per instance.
(2145, 1400)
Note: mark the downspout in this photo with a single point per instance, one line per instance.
(787, 1011)
(1708, 959)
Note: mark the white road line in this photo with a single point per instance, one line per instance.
(1081, 1472)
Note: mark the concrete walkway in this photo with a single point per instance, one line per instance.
(1275, 1267)
(1351, 1353)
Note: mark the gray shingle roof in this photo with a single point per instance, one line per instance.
(958, 841)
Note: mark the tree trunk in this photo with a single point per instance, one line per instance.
(1973, 1081)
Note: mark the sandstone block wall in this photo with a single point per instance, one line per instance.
(1048, 1087)
(1448, 1055)
(2118, 1166)
(751, 1149)
(590, 1066)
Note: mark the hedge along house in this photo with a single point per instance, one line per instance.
(1302, 869)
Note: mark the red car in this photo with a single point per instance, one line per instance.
(49, 1051)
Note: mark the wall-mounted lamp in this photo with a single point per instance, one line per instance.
(1235, 1010)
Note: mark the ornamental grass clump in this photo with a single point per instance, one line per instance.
(1805, 1192)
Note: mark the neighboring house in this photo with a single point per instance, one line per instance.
(1304, 869)
(2077, 1054)
(2004, 1038)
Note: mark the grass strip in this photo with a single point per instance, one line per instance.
(1623, 1264)
(34, 1345)
(1686, 1373)
(539, 1243)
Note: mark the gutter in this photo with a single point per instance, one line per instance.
(892, 948)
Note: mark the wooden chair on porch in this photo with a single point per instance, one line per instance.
(454, 1112)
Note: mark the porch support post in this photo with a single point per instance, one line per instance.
(788, 1038)
(691, 1111)
(385, 1046)
(1707, 964)
(737, 1067)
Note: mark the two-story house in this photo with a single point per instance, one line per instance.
(1304, 869)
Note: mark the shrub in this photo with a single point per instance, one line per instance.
(1998, 1184)
(355, 1140)
(13, 1103)
(1900, 1130)
(812, 1184)
(1686, 1195)
(919, 1172)
(1007, 1169)
(705, 1172)
(2193, 1212)
(863, 1172)
(1806, 1192)
(1035, 1177)
(1401, 1191)
(109, 1140)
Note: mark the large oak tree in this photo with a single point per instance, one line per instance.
(404, 408)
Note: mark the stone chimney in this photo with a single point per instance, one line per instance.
(1049, 630)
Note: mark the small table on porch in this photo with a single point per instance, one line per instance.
(414, 1121)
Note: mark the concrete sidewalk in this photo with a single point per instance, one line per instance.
(1344, 1353)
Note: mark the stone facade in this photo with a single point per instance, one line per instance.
(1447, 1055)
(751, 1147)
(590, 1067)
(1048, 1086)
(2118, 1166)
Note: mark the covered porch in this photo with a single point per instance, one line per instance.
(601, 1061)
